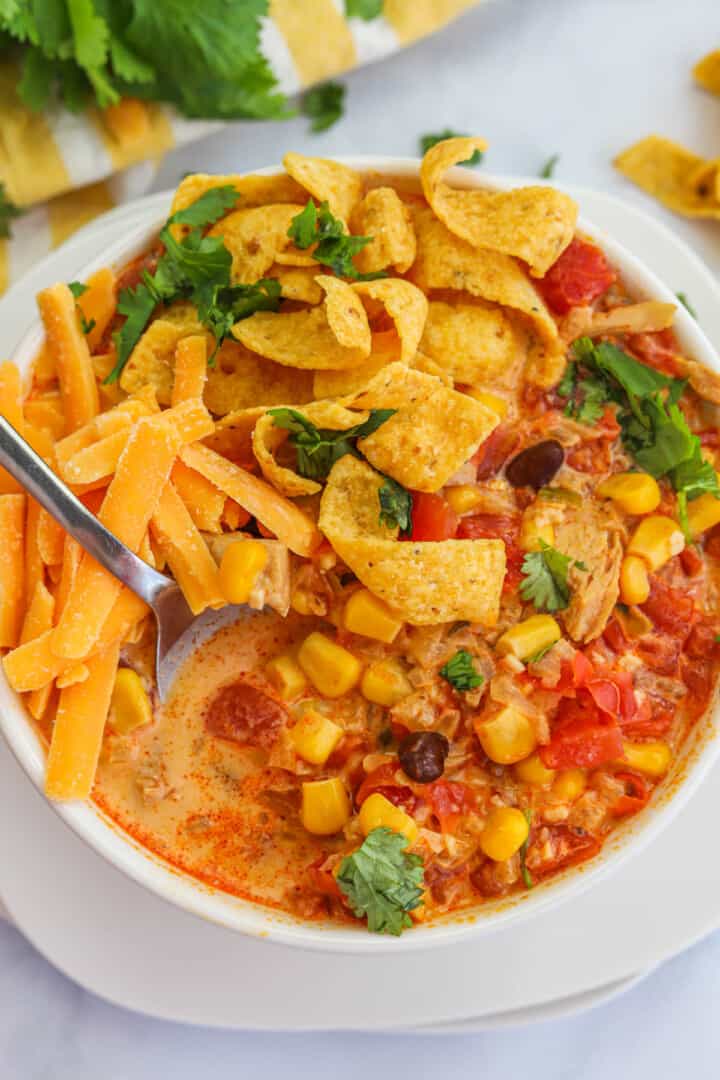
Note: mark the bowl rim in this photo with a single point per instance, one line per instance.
(698, 754)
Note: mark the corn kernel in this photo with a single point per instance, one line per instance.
(287, 677)
(377, 811)
(634, 580)
(385, 683)
(507, 737)
(331, 669)
(315, 737)
(703, 513)
(531, 770)
(505, 832)
(651, 758)
(529, 636)
(129, 705)
(367, 615)
(325, 806)
(633, 492)
(656, 540)
(532, 532)
(498, 404)
(569, 784)
(463, 497)
(240, 567)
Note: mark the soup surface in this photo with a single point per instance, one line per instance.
(461, 482)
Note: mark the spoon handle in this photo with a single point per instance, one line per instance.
(29, 469)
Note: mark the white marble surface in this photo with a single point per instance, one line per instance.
(582, 78)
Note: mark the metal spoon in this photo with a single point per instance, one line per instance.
(179, 632)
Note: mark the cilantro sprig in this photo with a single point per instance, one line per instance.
(195, 267)
(334, 246)
(8, 212)
(323, 105)
(205, 59)
(382, 882)
(548, 169)
(545, 578)
(654, 429)
(319, 448)
(363, 9)
(460, 672)
(428, 141)
(396, 505)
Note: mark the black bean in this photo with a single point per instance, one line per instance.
(536, 465)
(422, 755)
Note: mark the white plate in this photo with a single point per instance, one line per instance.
(131, 948)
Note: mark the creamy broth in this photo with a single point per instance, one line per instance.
(209, 805)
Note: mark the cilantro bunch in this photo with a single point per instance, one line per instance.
(204, 58)
(196, 268)
(654, 429)
(382, 882)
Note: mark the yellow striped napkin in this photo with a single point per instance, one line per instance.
(70, 168)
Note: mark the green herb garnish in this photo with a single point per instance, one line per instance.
(77, 288)
(395, 505)
(460, 672)
(545, 575)
(319, 448)
(527, 879)
(8, 210)
(363, 9)
(682, 297)
(335, 247)
(323, 105)
(197, 268)
(205, 59)
(428, 141)
(548, 169)
(382, 882)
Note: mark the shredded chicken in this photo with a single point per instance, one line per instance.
(645, 316)
(590, 535)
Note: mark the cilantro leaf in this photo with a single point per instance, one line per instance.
(137, 305)
(319, 448)
(548, 169)
(86, 326)
(363, 9)
(428, 141)
(526, 876)
(382, 882)
(620, 369)
(334, 247)
(682, 297)
(220, 307)
(208, 208)
(460, 672)
(395, 505)
(77, 288)
(91, 38)
(566, 386)
(199, 260)
(545, 574)
(8, 211)
(323, 105)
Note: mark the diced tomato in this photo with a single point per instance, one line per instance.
(614, 635)
(242, 713)
(382, 780)
(636, 795)
(571, 847)
(652, 719)
(691, 561)
(432, 518)
(582, 736)
(658, 349)
(702, 641)
(660, 652)
(324, 879)
(605, 695)
(494, 452)
(669, 609)
(712, 543)
(503, 527)
(449, 800)
(698, 677)
(579, 276)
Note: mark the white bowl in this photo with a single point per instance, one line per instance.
(102, 834)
